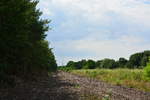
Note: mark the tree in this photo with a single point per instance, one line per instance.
(135, 59)
(99, 64)
(138, 60)
(145, 58)
(90, 64)
(122, 62)
(22, 39)
(78, 65)
(71, 64)
(108, 63)
(144, 61)
(83, 63)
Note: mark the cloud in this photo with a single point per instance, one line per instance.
(109, 47)
(97, 28)
(45, 7)
(96, 10)
(97, 49)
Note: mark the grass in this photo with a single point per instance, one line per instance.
(77, 86)
(133, 78)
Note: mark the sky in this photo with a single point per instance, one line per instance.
(96, 29)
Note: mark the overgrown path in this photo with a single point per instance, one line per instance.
(66, 86)
(100, 89)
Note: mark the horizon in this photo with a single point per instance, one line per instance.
(102, 58)
(96, 29)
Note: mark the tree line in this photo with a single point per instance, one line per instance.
(137, 60)
(23, 48)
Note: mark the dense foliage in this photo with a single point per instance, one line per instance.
(23, 49)
(137, 60)
(147, 70)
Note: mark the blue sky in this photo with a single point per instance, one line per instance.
(97, 29)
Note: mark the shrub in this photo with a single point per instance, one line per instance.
(147, 70)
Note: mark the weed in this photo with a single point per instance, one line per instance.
(133, 78)
(77, 86)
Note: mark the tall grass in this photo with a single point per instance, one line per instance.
(133, 78)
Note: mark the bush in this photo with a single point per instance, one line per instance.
(147, 70)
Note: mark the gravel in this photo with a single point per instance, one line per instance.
(67, 86)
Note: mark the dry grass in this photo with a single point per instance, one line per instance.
(126, 77)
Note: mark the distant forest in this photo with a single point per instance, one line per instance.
(137, 60)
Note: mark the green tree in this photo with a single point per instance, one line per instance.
(144, 61)
(145, 58)
(122, 62)
(108, 63)
(71, 64)
(83, 63)
(90, 64)
(138, 60)
(22, 39)
(134, 60)
(99, 64)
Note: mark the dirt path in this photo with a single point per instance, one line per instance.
(66, 86)
(50, 88)
(102, 89)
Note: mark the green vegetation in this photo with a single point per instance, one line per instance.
(137, 60)
(134, 73)
(23, 49)
(133, 78)
(147, 70)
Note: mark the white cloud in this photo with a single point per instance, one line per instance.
(96, 42)
(45, 7)
(97, 49)
(109, 47)
(96, 10)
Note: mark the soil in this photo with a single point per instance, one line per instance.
(66, 86)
